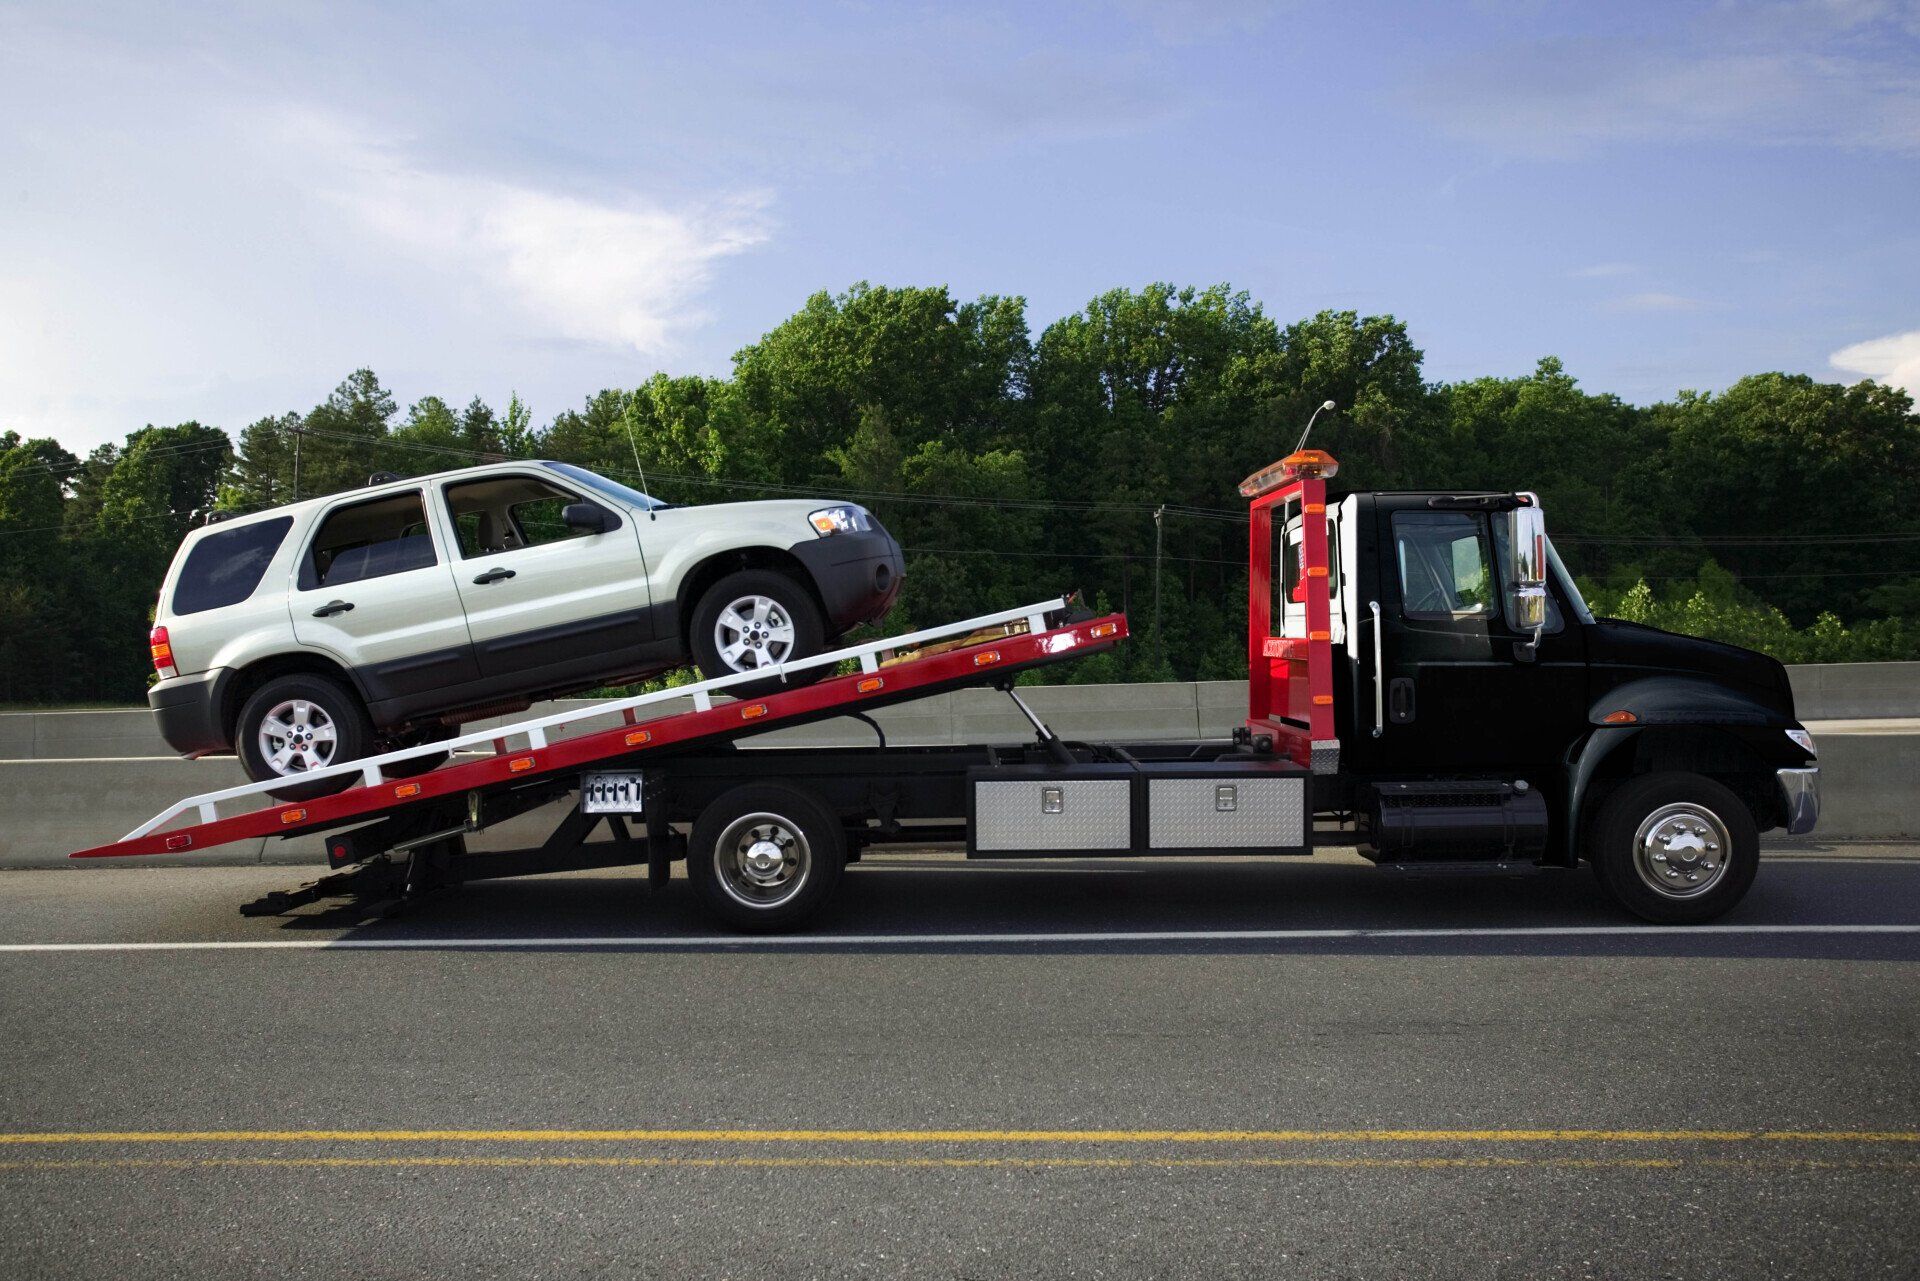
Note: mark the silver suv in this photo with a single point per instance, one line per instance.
(326, 630)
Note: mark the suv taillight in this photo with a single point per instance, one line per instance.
(162, 653)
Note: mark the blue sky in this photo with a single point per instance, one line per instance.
(216, 211)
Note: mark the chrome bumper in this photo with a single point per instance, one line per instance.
(1800, 790)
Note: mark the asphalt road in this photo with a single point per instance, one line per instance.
(1243, 1068)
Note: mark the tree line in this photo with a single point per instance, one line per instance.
(1102, 455)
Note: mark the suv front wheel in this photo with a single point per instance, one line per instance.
(756, 619)
(293, 725)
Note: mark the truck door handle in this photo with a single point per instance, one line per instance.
(494, 576)
(1379, 670)
(1400, 700)
(333, 607)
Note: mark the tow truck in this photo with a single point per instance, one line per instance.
(1426, 683)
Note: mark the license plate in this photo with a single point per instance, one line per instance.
(610, 793)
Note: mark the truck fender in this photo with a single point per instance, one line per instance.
(1735, 752)
(1683, 700)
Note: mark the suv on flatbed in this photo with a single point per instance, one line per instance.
(319, 632)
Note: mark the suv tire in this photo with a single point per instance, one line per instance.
(755, 616)
(318, 721)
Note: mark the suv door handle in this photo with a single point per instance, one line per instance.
(333, 607)
(494, 576)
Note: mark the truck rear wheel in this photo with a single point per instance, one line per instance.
(765, 856)
(1677, 849)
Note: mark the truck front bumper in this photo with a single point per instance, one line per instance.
(1800, 793)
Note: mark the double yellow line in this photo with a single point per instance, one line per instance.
(965, 1136)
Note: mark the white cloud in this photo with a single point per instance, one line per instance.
(1894, 360)
(622, 271)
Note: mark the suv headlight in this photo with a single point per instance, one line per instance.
(838, 520)
(1805, 740)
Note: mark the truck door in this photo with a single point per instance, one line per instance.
(1461, 691)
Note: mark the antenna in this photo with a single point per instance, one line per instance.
(1324, 405)
(626, 420)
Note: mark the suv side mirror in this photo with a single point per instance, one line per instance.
(588, 518)
(1526, 568)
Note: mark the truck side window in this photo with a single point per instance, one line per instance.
(1446, 564)
(1289, 582)
(369, 540)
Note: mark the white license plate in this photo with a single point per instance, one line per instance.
(610, 793)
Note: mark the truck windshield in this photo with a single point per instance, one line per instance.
(611, 488)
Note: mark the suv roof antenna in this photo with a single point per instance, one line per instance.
(626, 420)
(1324, 405)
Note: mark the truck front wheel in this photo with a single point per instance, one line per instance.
(1674, 848)
(765, 856)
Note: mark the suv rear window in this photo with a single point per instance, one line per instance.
(223, 568)
(369, 540)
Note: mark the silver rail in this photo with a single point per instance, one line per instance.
(370, 768)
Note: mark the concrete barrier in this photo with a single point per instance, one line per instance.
(70, 779)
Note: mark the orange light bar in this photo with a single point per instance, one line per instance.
(293, 816)
(520, 764)
(1103, 629)
(987, 659)
(639, 737)
(753, 711)
(1307, 464)
(405, 790)
(870, 684)
(1619, 718)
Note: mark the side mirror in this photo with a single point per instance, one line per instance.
(588, 518)
(1527, 565)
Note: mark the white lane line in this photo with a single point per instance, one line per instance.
(944, 940)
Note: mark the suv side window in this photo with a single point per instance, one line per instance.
(369, 540)
(224, 568)
(1446, 564)
(506, 513)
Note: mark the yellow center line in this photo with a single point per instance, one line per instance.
(898, 1163)
(723, 1136)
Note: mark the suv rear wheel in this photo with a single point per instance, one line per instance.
(293, 725)
(754, 619)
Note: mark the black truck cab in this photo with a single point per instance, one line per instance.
(1481, 712)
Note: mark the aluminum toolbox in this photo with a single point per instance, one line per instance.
(1153, 807)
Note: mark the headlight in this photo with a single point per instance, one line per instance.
(1803, 738)
(838, 520)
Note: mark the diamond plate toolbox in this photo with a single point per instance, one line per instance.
(1229, 812)
(1052, 814)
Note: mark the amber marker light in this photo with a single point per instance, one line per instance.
(293, 816)
(639, 738)
(987, 659)
(1618, 718)
(405, 790)
(520, 764)
(870, 684)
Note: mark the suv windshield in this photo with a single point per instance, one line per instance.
(611, 488)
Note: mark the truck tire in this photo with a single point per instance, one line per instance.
(764, 856)
(754, 618)
(1676, 849)
(296, 723)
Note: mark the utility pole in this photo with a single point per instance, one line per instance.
(1158, 530)
(298, 435)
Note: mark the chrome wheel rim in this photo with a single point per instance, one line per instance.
(297, 736)
(753, 632)
(762, 860)
(1680, 850)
